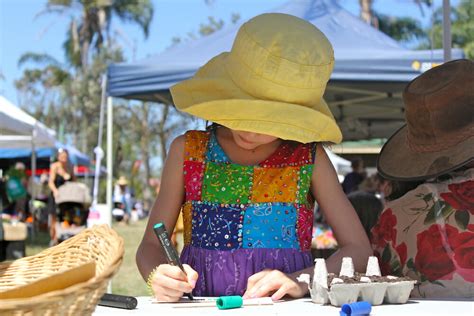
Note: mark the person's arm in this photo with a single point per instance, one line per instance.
(347, 228)
(340, 215)
(169, 282)
(52, 177)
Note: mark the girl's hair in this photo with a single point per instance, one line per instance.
(211, 125)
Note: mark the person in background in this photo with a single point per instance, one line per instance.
(60, 172)
(123, 197)
(355, 177)
(16, 189)
(368, 208)
(426, 230)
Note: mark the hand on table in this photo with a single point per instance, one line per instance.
(170, 283)
(274, 283)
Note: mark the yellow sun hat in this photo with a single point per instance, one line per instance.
(272, 82)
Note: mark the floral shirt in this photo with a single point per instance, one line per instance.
(428, 235)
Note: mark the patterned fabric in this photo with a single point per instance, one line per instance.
(232, 210)
(428, 234)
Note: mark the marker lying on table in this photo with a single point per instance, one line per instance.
(225, 302)
(170, 251)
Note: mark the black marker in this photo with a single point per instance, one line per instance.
(118, 301)
(171, 253)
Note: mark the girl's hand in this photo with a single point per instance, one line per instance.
(170, 283)
(274, 283)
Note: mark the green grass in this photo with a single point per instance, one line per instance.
(128, 280)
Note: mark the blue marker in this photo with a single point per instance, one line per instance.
(170, 251)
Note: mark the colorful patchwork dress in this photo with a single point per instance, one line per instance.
(239, 220)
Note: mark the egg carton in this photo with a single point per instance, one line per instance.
(349, 287)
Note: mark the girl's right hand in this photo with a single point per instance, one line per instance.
(169, 283)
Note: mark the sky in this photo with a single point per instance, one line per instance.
(22, 29)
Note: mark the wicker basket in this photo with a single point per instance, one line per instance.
(99, 243)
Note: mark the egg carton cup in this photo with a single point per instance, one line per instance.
(349, 288)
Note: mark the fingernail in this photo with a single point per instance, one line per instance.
(193, 283)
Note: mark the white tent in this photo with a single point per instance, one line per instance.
(18, 129)
(341, 165)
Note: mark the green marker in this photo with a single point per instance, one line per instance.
(170, 251)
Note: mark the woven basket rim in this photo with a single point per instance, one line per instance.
(76, 289)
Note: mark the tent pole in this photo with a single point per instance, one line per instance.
(446, 30)
(31, 181)
(99, 153)
(109, 157)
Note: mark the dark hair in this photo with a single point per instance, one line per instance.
(211, 125)
(399, 188)
(368, 208)
(63, 150)
(356, 162)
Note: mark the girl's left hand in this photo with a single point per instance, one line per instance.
(274, 283)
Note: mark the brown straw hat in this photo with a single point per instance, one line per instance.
(439, 134)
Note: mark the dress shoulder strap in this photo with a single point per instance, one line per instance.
(195, 145)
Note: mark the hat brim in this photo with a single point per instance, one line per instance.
(212, 95)
(300, 123)
(398, 162)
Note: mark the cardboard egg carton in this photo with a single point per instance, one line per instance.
(350, 287)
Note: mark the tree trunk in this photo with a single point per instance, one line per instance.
(162, 133)
(145, 142)
(366, 13)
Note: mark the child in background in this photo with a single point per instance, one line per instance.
(247, 185)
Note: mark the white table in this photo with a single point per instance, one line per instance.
(299, 307)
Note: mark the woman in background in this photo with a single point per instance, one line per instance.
(60, 172)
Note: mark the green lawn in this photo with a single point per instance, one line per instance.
(128, 280)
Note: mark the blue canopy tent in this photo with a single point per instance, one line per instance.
(364, 92)
(75, 156)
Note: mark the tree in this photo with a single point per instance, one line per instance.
(399, 28)
(71, 99)
(40, 87)
(402, 29)
(212, 25)
(462, 28)
(90, 22)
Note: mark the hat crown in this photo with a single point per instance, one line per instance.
(439, 106)
(298, 41)
(289, 53)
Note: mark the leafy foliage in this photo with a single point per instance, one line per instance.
(462, 28)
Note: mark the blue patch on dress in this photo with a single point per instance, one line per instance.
(215, 153)
(216, 226)
(270, 225)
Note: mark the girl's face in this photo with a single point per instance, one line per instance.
(249, 140)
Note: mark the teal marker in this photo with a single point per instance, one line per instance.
(170, 251)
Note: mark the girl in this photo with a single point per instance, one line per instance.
(246, 187)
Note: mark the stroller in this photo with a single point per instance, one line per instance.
(72, 209)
